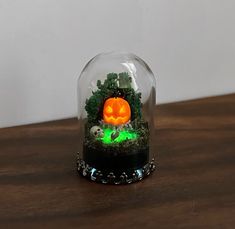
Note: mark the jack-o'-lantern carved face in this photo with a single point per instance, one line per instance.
(116, 111)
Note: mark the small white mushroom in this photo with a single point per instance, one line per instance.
(97, 132)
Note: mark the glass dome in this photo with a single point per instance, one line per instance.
(116, 100)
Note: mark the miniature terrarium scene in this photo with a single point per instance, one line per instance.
(115, 141)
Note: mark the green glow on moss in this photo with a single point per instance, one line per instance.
(123, 135)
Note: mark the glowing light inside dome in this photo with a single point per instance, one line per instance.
(123, 136)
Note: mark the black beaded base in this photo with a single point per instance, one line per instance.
(109, 177)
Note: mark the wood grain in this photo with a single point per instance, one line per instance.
(193, 187)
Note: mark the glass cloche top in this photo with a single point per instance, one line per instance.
(116, 99)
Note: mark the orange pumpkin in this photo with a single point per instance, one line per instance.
(116, 111)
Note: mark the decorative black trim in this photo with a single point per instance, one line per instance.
(105, 177)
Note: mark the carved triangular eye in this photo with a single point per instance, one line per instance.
(122, 110)
(109, 110)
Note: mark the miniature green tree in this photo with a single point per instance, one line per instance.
(124, 80)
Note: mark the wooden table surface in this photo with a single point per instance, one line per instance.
(193, 187)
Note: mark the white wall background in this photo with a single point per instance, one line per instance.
(44, 44)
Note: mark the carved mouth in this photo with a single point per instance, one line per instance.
(115, 120)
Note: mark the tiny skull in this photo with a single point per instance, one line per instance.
(97, 132)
